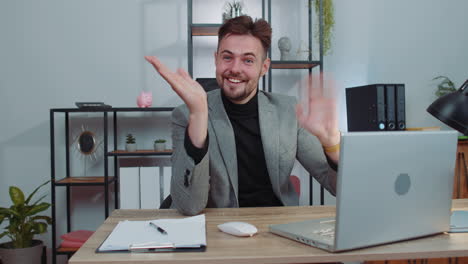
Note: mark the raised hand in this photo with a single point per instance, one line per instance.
(190, 91)
(193, 95)
(317, 111)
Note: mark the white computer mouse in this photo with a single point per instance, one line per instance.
(238, 228)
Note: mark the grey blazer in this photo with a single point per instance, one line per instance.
(213, 182)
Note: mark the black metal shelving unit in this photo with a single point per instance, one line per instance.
(309, 65)
(105, 180)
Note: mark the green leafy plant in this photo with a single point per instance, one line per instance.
(235, 8)
(328, 23)
(130, 139)
(445, 86)
(160, 141)
(232, 10)
(23, 221)
(236, 5)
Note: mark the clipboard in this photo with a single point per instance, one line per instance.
(137, 248)
(183, 235)
(164, 248)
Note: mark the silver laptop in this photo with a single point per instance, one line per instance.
(391, 186)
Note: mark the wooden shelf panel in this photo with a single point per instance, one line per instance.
(114, 109)
(91, 180)
(140, 152)
(205, 29)
(294, 64)
(64, 250)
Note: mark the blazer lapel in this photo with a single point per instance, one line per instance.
(222, 129)
(269, 125)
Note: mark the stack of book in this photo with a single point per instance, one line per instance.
(75, 239)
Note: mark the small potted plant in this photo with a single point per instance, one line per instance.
(160, 144)
(232, 10)
(130, 143)
(23, 224)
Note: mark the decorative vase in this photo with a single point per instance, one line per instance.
(30, 255)
(160, 146)
(131, 147)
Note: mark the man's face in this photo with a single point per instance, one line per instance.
(239, 65)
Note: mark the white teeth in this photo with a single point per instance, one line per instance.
(234, 80)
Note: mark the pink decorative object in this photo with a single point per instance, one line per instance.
(145, 99)
(77, 236)
(71, 244)
(75, 239)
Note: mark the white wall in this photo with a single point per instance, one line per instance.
(400, 41)
(55, 52)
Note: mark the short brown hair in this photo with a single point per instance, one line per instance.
(243, 25)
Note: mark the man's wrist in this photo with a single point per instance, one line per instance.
(197, 129)
(331, 149)
(194, 152)
(331, 143)
(198, 118)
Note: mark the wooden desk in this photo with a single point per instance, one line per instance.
(460, 186)
(266, 247)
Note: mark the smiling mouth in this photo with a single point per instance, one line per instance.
(233, 80)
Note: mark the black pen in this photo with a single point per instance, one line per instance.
(162, 231)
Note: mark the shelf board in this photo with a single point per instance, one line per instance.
(66, 251)
(205, 29)
(91, 180)
(140, 152)
(294, 64)
(115, 109)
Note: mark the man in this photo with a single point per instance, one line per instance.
(236, 146)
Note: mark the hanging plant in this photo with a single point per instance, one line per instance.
(328, 23)
(445, 86)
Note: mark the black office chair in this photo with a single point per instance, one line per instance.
(166, 204)
(208, 84)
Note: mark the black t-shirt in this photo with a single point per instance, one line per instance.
(255, 188)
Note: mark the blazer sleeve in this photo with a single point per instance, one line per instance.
(190, 182)
(311, 155)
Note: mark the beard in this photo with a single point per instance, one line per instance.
(238, 94)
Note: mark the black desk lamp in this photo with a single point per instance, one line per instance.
(452, 109)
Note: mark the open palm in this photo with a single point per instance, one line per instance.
(193, 95)
(190, 91)
(317, 112)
